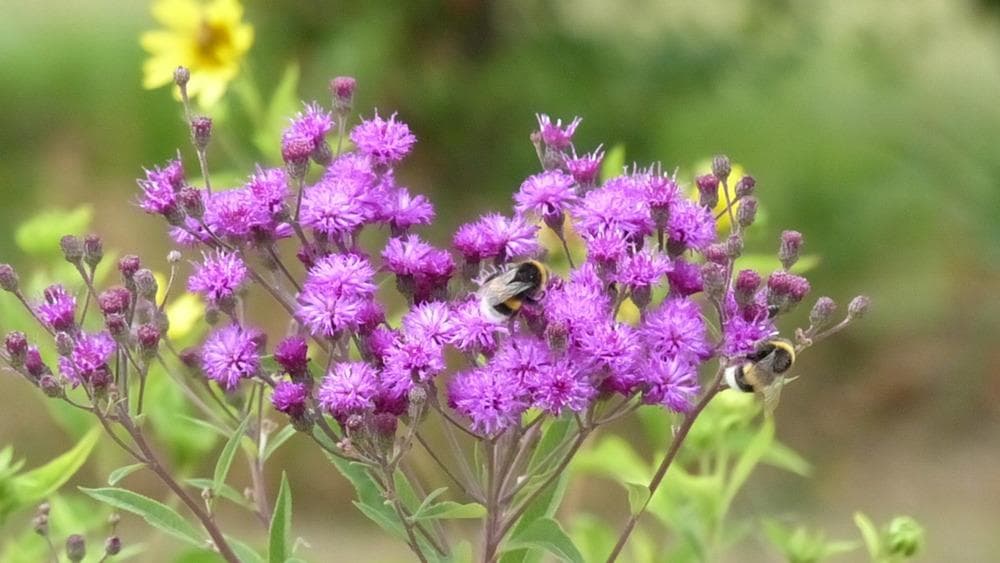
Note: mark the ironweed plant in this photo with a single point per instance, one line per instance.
(500, 396)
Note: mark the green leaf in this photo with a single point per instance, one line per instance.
(546, 534)
(225, 460)
(783, 457)
(450, 510)
(40, 235)
(281, 524)
(278, 440)
(870, 534)
(246, 553)
(32, 486)
(206, 425)
(155, 513)
(638, 496)
(225, 491)
(370, 500)
(123, 472)
(284, 102)
(748, 460)
(614, 162)
(427, 501)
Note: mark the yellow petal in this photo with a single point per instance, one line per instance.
(180, 15)
(157, 72)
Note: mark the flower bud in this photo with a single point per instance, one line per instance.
(734, 246)
(354, 422)
(721, 167)
(342, 88)
(717, 253)
(292, 354)
(8, 278)
(747, 212)
(417, 397)
(113, 519)
(114, 300)
(322, 154)
(50, 386)
(192, 202)
(181, 76)
(93, 250)
(64, 344)
(858, 307)
(16, 344)
(40, 524)
(113, 545)
(145, 284)
(128, 265)
(788, 253)
(72, 249)
(822, 312)
(385, 424)
(191, 358)
(745, 187)
(904, 537)
(149, 341)
(747, 282)
(713, 278)
(201, 131)
(34, 364)
(76, 548)
(708, 190)
(173, 257)
(117, 326)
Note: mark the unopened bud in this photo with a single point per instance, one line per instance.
(114, 300)
(342, 88)
(721, 167)
(34, 364)
(385, 424)
(734, 246)
(708, 190)
(417, 398)
(149, 341)
(322, 154)
(93, 250)
(747, 282)
(858, 307)
(192, 202)
(76, 548)
(117, 326)
(747, 212)
(354, 422)
(72, 249)
(145, 284)
(113, 545)
(822, 312)
(717, 253)
(40, 524)
(128, 265)
(43, 509)
(745, 187)
(201, 131)
(191, 358)
(181, 76)
(713, 278)
(8, 278)
(791, 244)
(64, 344)
(173, 257)
(16, 344)
(113, 519)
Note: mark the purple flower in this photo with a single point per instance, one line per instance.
(744, 327)
(472, 332)
(619, 204)
(159, 189)
(612, 348)
(496, 236)
(671, 382)
(421, 268)
(406, 256)
(269, 188)
(416, 359)
(229, 355)
(234, 213)
(553, 134)
(429, 322)
(676, 330)
(348, 389)
(559, 387)
(690, 226)
(88, 362)
(642, 270)
(585, 168)
(579, 303)
(342, 275)
(520, 358)
(292, 354)
(335, 208)
(606, 246)
(662, 194)
(219, 277)
(351, 167)
(326, 313)
(58, 310)
(685, 278)
(547, 195)
(488, 398)
(290, 398)
(314, 123)
(405, 211)
(384, 141)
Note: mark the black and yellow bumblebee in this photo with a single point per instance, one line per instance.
(764, 372)
(502, 294)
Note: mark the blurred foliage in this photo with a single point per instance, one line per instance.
(870, 127)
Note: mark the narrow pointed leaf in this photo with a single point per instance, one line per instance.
(546, 534)
(155, 513)
(278, 440)
(450, 510)
(122, 472)
(226, 457)
(281, 524)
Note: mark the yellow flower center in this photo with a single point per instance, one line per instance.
(213, 42)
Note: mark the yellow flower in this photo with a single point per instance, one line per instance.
(209, 38)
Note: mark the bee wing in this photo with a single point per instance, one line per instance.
(770, 395)
(501, 288)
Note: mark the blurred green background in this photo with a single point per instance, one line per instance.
(872, 127)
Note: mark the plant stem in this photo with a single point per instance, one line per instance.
(390, 490)
(671, 454)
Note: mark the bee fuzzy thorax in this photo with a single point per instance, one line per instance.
(503, 293)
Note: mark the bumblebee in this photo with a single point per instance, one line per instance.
(502, 294)
(764, 372)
